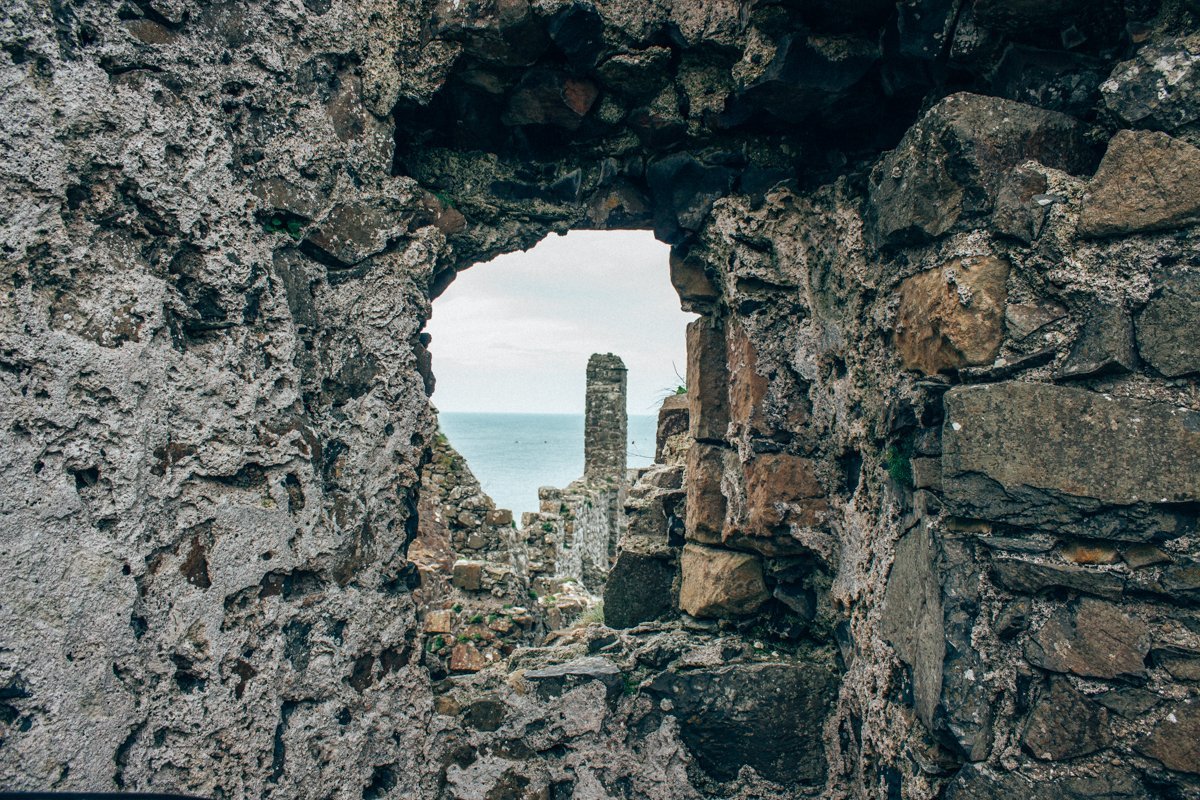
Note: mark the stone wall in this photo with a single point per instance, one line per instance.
(942, 393)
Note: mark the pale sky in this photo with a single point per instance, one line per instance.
(514, 334)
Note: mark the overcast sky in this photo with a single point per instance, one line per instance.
(514, 334)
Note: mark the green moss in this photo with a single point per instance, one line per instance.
(478, 618)
(279, 224)
(897, 460)
(457, 607)
(548, 527)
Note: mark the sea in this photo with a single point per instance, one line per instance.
(513, 454)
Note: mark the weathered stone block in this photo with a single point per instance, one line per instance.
(466, 657)
(556, 680)
(978, 782)
(768, 716)
(929, 609)
(1159, 87)
(638, 589)
(467, 575)
(747, 387)
(672, 438)
(500, 516)
(780, 490)
(1168, 328)
(706, 503)
(1104, 345)
(439, 621)
(954, 316)
(1091, 638)
(1033, 454)
(1147, 181)
(1065, 724)
(720, 583)
(1175, 739)
(696, 290)
(707, 380)
(950, 164)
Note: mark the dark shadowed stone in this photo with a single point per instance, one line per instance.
(929, 611)
(707, 380)
(1129, 702)
(1104, 346)
(1175, 739)
(1092, 639)
(1159, 87)
(1146, 182)
(548, 97)
(951, 164)
(977, 782)
(1019, 213)
(638, 589)
(1052, 79)
(691, 281)
(807, 73)
(1168, 328)
(1029, 577)
(1033, 454)
(506, 33)
(1065, 724)
(1178, 582)
(766, 716)
(684, 191)
(558, 679)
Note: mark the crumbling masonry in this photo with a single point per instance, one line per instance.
(932, 531)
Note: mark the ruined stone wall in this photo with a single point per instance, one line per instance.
(942, 393)
(605, 422)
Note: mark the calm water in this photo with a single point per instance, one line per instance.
(513, 454)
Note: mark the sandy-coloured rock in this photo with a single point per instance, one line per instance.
(1147, 181)
(720, 583)
(953, 316)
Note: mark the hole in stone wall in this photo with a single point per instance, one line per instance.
(511, 340)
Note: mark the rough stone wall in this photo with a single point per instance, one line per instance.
(226, 222)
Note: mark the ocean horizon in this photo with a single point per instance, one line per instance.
(513, 454)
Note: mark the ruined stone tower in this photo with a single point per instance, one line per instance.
(605, 419)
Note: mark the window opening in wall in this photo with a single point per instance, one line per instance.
(511, 342)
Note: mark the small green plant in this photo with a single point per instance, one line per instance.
(681, 389)
(476, 619)
(462, 637)
(444, 199)
(436, 643)
(277, 224)
(457, 607)
(897, 460)
(548, 527)
(492, 618)
(629, 685)
(507, 606)
(475, 637)
(533, 595)
(593, 614)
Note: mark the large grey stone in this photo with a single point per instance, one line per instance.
(1092, 639)
(1034, 454)
(952, 163)
(1159, 87)
(1168, 328)
(1064, 724)
(929, 611)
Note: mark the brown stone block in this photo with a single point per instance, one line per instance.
(1175, 740)
(1147, 181)
(952, 317)
(696, 290)
(747, 388)
(466, 657)
(467, 575)
(707, 380)
(705, 517)
(782, 488)
(720, 583)
(439, 621)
